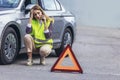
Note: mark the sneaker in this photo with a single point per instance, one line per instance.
(42, 60)
(29, 62)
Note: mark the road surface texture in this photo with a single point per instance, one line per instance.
(96, 49)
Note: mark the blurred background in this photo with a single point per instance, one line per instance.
(100, 13)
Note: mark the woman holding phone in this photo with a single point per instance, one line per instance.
(38, 37)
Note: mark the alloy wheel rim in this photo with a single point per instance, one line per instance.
(10, 46)
(67, 39)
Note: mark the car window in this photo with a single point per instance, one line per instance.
(34, 2)
(9, 3)
(49, 4)
(30, 2)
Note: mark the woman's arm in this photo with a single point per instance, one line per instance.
(28, 28)
(48, 32)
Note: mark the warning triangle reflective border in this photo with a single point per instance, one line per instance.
(75, 68)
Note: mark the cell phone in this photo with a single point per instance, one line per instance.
(43, 19)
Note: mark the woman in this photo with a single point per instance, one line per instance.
(38, 37)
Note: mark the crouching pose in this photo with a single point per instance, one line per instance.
(38, 37)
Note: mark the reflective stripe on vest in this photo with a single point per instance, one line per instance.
(42, 41)
(39, 43)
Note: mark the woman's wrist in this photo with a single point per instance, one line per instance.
(30, 20)
(45, 26)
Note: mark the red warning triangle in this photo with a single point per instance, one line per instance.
(75, 68)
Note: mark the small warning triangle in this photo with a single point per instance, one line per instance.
(58, 67)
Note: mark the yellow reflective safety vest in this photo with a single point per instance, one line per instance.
(39, 35)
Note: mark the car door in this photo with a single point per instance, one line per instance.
(53, 9)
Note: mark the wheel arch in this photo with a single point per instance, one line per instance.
(70, 27)
(72, 32)
(15, 26)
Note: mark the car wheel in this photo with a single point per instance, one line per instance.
(9, 46)
(66, 39)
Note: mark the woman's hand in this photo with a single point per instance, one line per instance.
(44, 21)
(31, 13)
(31, 16)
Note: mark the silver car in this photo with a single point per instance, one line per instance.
(14, 15)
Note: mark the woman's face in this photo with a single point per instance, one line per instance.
(37, 14)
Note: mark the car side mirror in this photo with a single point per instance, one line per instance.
(28, 8)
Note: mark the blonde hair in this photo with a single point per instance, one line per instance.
(37, 7)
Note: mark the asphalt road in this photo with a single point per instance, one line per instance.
(96, 49)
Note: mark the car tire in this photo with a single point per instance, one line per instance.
(66, 39)
(9, 46)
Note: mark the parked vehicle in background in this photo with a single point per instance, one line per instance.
(14, 15)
